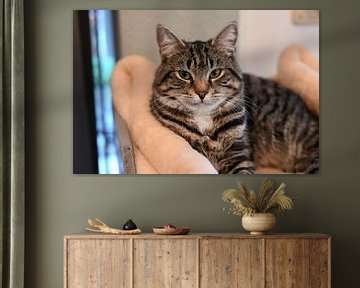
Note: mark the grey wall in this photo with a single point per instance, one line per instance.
(138, 28)
(59, 202)
(263, 34)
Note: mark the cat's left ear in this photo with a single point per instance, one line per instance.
(226, 39)
(169, 43)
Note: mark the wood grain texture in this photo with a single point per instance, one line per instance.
(88, 235)
(231, 263)
(197, 260)
(287, 263)
(98, 263)
(319, 263)
(165, 263)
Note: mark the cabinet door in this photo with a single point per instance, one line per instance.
(289, 263)
(164, 263)
(231, 263)
(98, 263)
(320, 263)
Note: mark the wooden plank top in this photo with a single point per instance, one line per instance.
(88, 235)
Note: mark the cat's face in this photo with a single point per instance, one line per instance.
(198, 75)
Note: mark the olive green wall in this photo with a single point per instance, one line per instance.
(59, 202)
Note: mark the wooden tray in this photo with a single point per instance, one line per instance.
(171, 231)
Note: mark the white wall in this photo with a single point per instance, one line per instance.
(264, 34)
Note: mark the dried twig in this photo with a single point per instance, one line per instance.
(101, 227)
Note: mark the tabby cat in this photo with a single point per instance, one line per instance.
(238, 121)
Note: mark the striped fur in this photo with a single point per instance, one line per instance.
(238, 121)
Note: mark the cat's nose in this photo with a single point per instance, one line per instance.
(201, 89)
(201, 95)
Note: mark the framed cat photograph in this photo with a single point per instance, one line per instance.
(196, 92)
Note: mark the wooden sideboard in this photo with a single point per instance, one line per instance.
(197, 260)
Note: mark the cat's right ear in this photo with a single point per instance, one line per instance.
(169, 43)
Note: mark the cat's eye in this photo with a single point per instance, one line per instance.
(216, 73)
(184, 74)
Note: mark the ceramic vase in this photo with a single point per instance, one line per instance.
(259, 223)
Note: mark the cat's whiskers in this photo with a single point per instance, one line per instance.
(251, 105)
(248, 100)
